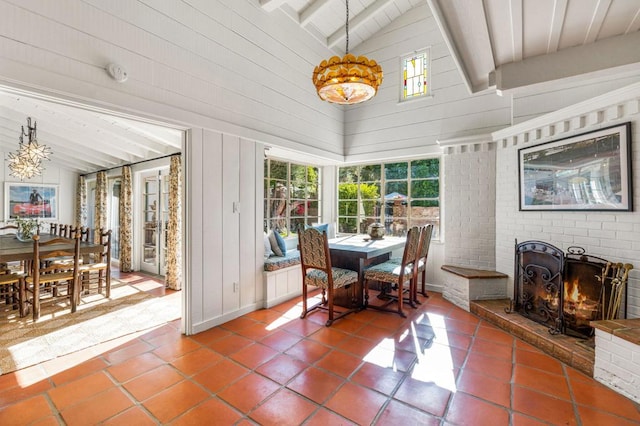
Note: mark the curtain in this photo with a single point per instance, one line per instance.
(101, 204)
(81, 202)
(173, 276)
(126, 224)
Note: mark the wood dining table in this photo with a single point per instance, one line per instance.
(357, 252)
(14, 250)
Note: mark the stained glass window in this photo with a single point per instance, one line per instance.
(415, 68)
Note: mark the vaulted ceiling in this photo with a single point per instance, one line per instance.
(502, 45)
(82, 140)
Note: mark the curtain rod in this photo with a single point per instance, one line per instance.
(133, 164)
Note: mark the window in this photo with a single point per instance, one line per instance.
(414, 75)
(291, 196)
(399, 194)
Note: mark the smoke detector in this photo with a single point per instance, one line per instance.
(117, 72)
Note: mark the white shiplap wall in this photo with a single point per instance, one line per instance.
(233, 62)
(385, 128)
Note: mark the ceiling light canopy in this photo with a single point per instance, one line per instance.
(347, 80)
(27, 161)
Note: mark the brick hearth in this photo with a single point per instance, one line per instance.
(578, 353)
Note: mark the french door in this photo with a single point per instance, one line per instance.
(155, 216)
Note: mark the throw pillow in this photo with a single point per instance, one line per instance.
(281, 244)
(267, 247)
(273, 242)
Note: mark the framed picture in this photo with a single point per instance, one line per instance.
(28, 200)
(591, 171)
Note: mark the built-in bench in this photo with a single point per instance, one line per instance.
(464, 284)
(282, 276)
(617, 363)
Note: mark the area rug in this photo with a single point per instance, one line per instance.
(58, 332)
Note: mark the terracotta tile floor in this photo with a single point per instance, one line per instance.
(440, 366)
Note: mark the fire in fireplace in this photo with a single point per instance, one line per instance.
(566, 292)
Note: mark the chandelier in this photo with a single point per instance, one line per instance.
(347, 80)
(26, 162)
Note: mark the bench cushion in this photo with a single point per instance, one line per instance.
(291, 258)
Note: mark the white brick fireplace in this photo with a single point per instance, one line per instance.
(611, 235)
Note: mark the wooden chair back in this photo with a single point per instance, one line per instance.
(314, 250)
(98, 271)
(43, 271)
(63, 230)
(53, 229)
(9, 229)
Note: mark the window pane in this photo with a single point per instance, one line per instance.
(347, 225)
(347, 208)
(298, 175)
(370, 173)
(278, 170)
(298, 208)
(429, 168)
(395, 190)
(278, 189)
(296, 224)
(313, 209)
(425, 188)
(348, 191)
(312, 174)
(370, 191)
(348, 174)
(396, 170)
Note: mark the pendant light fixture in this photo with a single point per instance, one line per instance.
(347, 80)
(27, 161)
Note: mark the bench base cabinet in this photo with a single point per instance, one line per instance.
(282, 285)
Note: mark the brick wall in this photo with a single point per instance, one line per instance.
(469, 203)
(617, 364)
(612, 235)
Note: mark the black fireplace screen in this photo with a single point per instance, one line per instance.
(566, 292)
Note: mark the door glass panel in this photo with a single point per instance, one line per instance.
(150, 206)
(114, 217)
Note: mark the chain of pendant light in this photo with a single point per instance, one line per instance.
(26, 162)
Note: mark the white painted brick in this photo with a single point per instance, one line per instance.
(618, 226)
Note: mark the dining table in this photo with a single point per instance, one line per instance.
(357, 252)
(14, 250)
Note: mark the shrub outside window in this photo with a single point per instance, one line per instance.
(399, 195)
(291, 196)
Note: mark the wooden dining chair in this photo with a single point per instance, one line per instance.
(317, 271)
(393, 276)
(16, 266)
(85, 232)
(63, 230)
(10, 285)
(425, 244)
(53, 228)
(48, 278)
(98, 271)
(8, 229)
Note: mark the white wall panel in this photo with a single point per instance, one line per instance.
(248, 269)
(210, 189)
(229, 205)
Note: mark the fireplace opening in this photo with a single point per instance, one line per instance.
(567, 291)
